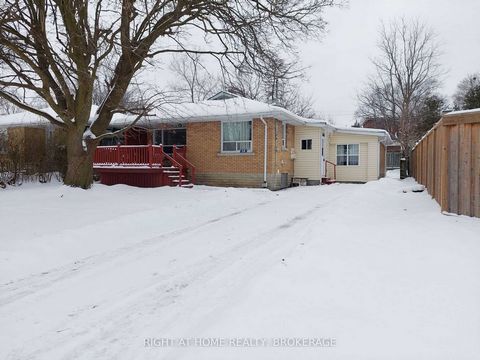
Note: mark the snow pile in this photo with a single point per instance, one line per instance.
(103, 273)
(232, 109)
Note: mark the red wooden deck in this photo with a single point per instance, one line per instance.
(143, 166)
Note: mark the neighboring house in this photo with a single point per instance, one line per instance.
(234, 141)
(30, 144)
(394, 149)
(23, 140)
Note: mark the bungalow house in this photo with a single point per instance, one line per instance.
(234, 141)
(229, 140)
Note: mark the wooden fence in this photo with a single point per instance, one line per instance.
(447, 162)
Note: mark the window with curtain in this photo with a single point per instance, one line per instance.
(347, 154)
(237, 136)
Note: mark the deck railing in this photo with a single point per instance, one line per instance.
(143, 156)
(135, 155)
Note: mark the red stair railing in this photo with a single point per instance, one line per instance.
(334, 169)
(179, 154)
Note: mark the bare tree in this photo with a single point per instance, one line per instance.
(192, 81)
(6, 107)
(467, 95)
(407, 72)
(56, 49)
(298, 103)
(378, 103)
(246, 83)
(277, 85)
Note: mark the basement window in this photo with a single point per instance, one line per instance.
(348, 155)
(307, 144)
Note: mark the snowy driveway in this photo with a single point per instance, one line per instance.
(91, 275)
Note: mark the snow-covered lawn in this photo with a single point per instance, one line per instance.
(93, 274)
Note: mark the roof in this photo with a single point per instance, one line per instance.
(25, 119)
(28, 119)
(462, 112)
(227, 107)
(382, 134)
(222, 95)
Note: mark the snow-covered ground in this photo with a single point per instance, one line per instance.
(98, 274)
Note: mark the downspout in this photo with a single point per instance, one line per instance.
(265, 148)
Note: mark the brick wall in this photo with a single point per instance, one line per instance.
(219, 169)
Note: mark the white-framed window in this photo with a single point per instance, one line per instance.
(348, 154)
(306, 144)
(284, 135)
(3, 141)
(237, 136)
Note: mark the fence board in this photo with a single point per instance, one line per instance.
(447, 162)
(431, 164)
(444, 168)
(438, 160)
(453, 170)
(465, 168)
(475, 203)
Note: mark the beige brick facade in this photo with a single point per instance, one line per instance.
(220, 169)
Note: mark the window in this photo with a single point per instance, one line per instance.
(170, 137)
(307, 144)
(284, 135)
(237, 136)
(347, 154)
(3, 141)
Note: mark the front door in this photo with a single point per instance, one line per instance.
(170, 137)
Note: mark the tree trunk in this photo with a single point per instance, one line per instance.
(79, 161)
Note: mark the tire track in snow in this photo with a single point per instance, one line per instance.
(17, 289)
(165, 291)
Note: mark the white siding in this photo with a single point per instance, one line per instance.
(367, 169)
(307, 162)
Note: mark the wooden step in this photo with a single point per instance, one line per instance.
(328, 181)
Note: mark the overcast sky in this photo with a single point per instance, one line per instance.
(340, 63)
